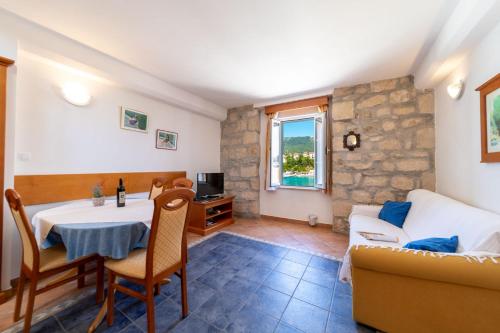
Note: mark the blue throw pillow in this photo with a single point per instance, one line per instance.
(435, 244)
(395, 212)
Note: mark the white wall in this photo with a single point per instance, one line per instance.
(459, 172)
(291, 203)
(63, 138)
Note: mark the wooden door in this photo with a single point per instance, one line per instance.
(4, 63)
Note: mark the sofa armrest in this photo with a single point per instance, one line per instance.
(366, 210)
(464, 270)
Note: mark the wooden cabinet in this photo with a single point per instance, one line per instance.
(211, 215)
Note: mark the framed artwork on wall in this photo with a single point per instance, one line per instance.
(490, 120)
(134, 120)
(166, 140)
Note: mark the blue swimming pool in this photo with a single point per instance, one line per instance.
(306, 181)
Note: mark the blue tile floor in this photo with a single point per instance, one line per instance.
(235, 284)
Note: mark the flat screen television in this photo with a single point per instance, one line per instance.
(209, 185)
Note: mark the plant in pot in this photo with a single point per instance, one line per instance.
(98, 197)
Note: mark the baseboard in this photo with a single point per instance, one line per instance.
(287, 220)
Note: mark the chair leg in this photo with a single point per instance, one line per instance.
(185, 306)
(157, 289)
(81, 279)
(30, 305)
(19, 296)
(150, 306)
(99, 293)
(111, 298)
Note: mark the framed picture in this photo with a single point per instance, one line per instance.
(490, 120)
(134, 120)
(166, 140)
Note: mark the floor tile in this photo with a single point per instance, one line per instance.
(172, 287)
(134, 308)
(337, 324)
(167, 315)
(286, 328)
(218, 276)
(266, 260)
(281, 282)
(198, 293)
(254, 273)
(78, 317)
(298, 257)
(227, 248)
(48, 325)
(324, 264)
(132, 328)
(219, 310)
(240, 288)
(197, 268)
(247, 320)
(291, 268)
(246, 252)
(314, 294)
(343, 288)
(234, 261)
(275, 251)
(213, 257)
(306, 317)
(342, 305)
(269, 301)
(320, 277)
(193, 324)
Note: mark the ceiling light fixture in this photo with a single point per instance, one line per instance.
(455, 89)
(76, 93)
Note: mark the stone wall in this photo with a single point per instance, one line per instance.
(396, 123)
(240, 158)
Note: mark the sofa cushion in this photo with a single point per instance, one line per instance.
(395, 212)
(435, 244)
(434, 215)
(371, 224)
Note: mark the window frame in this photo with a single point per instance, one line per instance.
(285, 119)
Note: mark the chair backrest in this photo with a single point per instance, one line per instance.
(31, 255)
(182, 183)
(158, 185)
(167, 240)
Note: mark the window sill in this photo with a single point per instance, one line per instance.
(304, 188)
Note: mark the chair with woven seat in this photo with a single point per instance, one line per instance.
(182, 183)
(39, 264)
(166, 254)
(158, 185)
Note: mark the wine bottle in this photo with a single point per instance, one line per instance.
(120, 195)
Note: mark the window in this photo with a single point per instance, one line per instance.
(298, 148)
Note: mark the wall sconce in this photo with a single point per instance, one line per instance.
(352, 140)
(455, 89)
(76, 93)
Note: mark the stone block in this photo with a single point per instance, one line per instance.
(377, 181)
(425, 138)
(399, 96)
(361, 196)
(342, 208)
(249, 171)
(411, 122)
(388, 125)
(428, 181)
(340, 92)
(372, 101)
(342, 178)
(403, 111)
(390, 144)
(250, 137)
(413, 165)
(382, 112)
(402, 183)
(383, 196)
(383, 85)
(341, 225)
(388, 166)
(343, 110)
(426, 103)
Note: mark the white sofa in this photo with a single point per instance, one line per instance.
(431, 215)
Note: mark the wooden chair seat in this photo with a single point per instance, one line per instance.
(52, 258)
(134, 266)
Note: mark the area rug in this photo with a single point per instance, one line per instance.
(235, 284)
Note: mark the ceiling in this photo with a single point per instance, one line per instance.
(235, 52)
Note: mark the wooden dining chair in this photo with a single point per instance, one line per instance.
(39, 264)
(158, 185)
(165, 255)
(182, 183)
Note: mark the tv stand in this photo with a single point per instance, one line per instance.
(210, 215)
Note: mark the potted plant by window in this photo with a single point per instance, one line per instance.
(98, 197)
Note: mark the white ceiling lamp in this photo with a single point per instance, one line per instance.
(76, 93)
(455, 89)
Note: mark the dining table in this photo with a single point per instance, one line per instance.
(84, 229)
